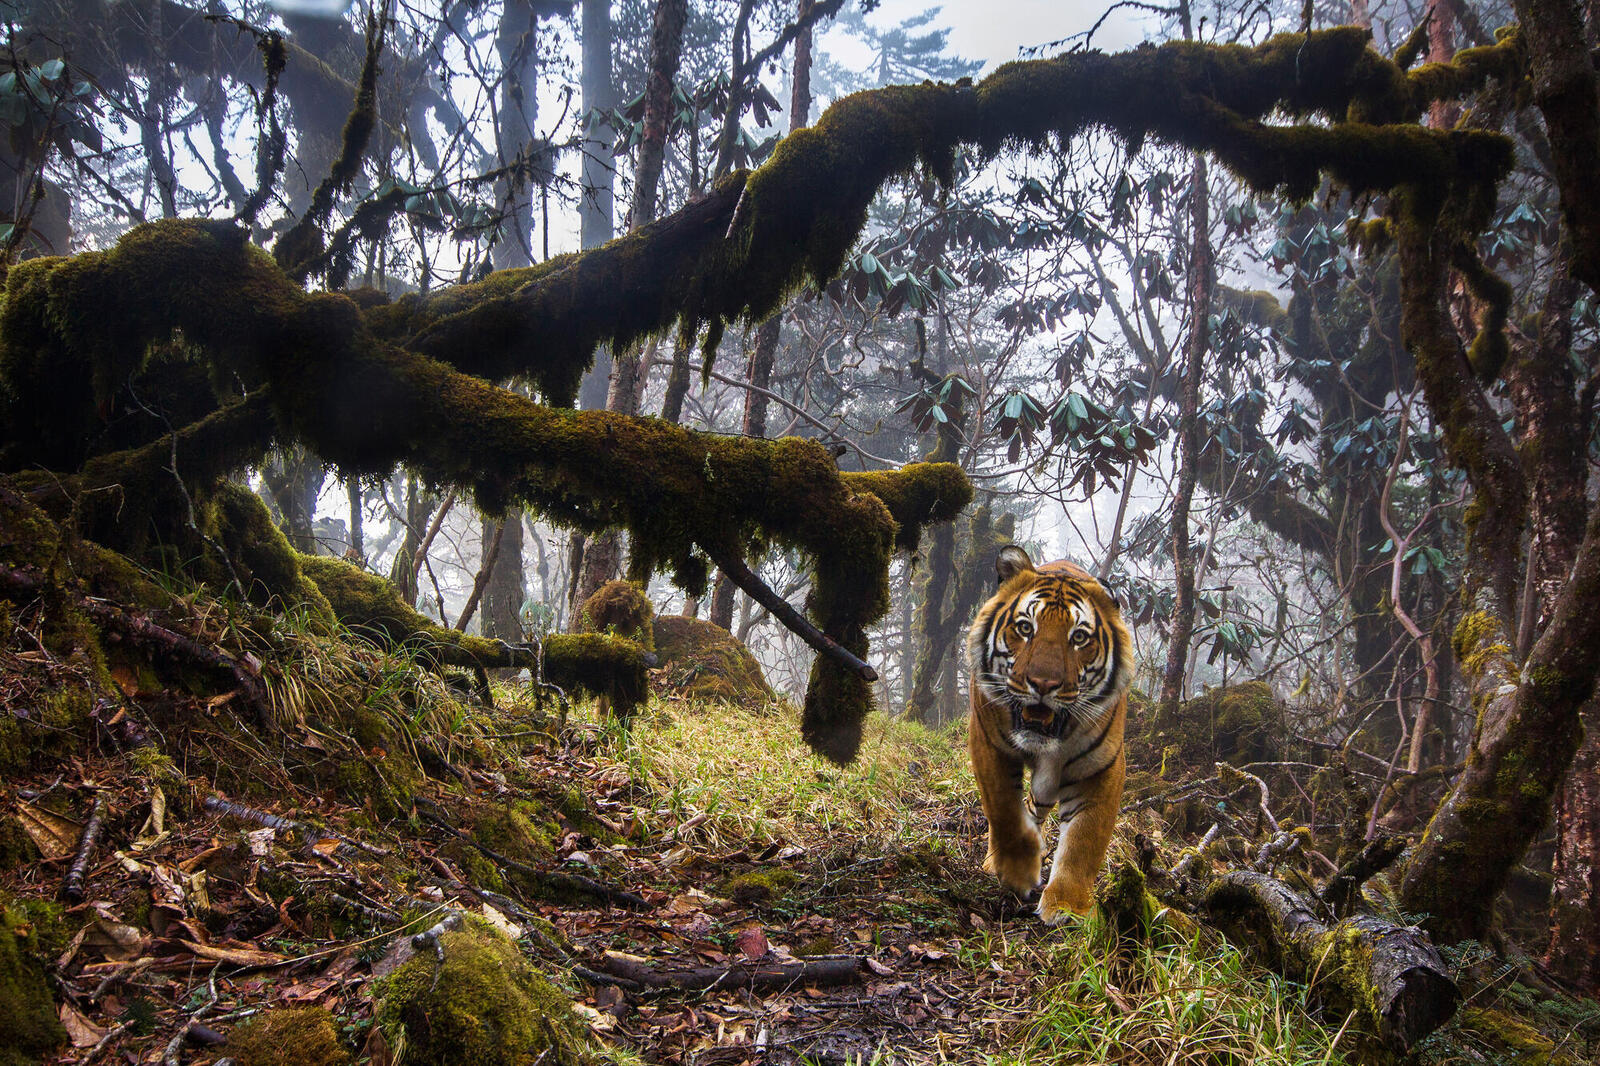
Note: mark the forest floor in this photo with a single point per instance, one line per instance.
(725, 839)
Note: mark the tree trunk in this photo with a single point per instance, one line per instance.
(516, 43)
(294, 479)
(504, 592)
(1575, 884)
(722, 596)
(1183, 562)
(358, 538)
(602, 554)
(1527, 732)
(595, 207)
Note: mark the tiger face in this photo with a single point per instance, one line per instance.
(1049, 648)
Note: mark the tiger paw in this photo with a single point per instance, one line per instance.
(1063, 900)
(1017, 866)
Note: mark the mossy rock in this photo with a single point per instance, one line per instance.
(29, 1028)
(484, 1005)
(759, 886)
(703, 661)
(620, 607)
(1235, 724)
(48, 730)
(516, 832)
(304, 1036)
(17, 848)
(385, 783)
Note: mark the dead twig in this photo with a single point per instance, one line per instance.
(73, 886)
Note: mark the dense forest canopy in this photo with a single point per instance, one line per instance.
(1282, 323)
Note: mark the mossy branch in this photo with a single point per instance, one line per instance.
(740, 251)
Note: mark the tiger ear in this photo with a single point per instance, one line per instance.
(1013, 561)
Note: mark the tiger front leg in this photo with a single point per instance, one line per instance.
(1014, 844)
(1084, 839)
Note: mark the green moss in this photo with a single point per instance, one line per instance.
(511, 832)
(484, 1005)
(620, 608)
(1479, 641)
(702, 661)
(258, 554)
(385, 783)
(1127, 904)
(29, 1028)
(1513, 1042)
(304, 1036)
(17, 848)
(759, 886)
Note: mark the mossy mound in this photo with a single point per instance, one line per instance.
(29, 1028)
(759, 886)
(620, 607)
(305, 1036)
(1234, 724)
(702, 661)
(484, 1005)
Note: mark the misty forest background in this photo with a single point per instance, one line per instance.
(1294, 345)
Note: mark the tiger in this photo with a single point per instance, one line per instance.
(1049, 664)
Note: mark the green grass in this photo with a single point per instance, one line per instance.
(1180, 999)
(1071, 997)
(757, 783)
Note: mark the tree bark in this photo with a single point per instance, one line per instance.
(504, 592)
(1390, 975)
(1575, 881)
(1201, 279)
(1527, 732)
(599, 163)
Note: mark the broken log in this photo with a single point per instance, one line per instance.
(760, 975)
(1389, 975)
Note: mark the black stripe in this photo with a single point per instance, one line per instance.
(1110, 720)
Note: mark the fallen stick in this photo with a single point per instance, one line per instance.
(759, 975)
(73, 886)
(1344, 887)
(797, 623)
(309, 833)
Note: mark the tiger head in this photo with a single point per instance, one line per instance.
(1049, 647)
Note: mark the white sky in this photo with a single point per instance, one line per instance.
(993, 30)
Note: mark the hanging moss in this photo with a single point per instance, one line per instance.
(736, 253)
(483, 1004)
(302, 1036)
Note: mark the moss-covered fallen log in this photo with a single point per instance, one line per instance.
(1389, 975)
